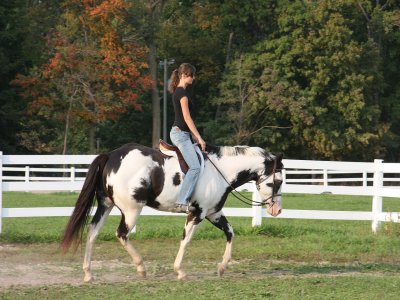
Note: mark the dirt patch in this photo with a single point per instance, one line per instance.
(37, 265)
(42, 265)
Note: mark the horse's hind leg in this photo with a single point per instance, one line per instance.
(128, 221)
(99, 218)
(220, 221)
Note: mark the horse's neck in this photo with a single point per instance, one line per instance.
(232, 166)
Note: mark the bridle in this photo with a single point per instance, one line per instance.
(260, 179)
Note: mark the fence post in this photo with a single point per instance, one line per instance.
(325, 177)
(365, 178)
(1, 189)
(72, 174)
(27, 170)
(284, 176)
(257, 210)
(377, 200)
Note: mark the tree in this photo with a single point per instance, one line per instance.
(314, 76)
(194, 32)
(380, 23)
(93, 74)
(22, 27)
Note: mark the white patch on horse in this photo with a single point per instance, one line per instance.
(168, 196)
(134, 169)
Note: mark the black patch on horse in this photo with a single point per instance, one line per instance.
(149, 191)
(269, 164)
(176, 180)
(241, 178)
(157, 177)
(110, 192)
(241, 150)
(223, 224)
(116, 156)
(217, 150)
(99, 213)
(212, 149)
(194, 216)
(156, 155)
(141, 194)
(122, 231)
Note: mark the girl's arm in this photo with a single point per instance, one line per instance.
(190, 123)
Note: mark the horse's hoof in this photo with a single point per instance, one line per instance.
(142, 274)
(182, 276)
(221, 270)
(88, 278)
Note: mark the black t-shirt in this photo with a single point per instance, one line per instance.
(179, 93)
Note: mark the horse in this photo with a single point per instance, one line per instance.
(134, 176)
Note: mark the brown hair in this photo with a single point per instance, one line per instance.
(185, 68)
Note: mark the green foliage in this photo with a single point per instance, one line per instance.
(132, 126)
(312, 79)
(22, 27)
(313, 76)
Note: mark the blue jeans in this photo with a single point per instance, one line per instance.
(182, 140)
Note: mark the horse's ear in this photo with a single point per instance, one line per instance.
(279, 157)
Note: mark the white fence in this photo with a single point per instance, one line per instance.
(67, 173)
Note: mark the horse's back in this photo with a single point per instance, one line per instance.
(132, 153)
(139, 173)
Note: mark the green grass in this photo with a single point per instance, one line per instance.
(282, 259)
(290, 201)
(346, 287)
(49, 229)
(20, 199)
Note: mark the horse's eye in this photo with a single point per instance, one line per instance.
(270, 184)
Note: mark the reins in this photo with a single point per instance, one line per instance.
(246, 200)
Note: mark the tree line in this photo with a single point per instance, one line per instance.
(311, 79)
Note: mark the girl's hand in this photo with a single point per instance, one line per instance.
(202, 143)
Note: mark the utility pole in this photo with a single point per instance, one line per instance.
(164, 64)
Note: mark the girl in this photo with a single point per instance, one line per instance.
(180, 135)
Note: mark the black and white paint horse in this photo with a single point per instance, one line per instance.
(134, 176)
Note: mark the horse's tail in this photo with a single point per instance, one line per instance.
(74, 230)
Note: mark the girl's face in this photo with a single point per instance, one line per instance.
(188, 79)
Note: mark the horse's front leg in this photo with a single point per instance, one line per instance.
(219, 220)
(190, 227)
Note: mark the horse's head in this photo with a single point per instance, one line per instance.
(269, 184)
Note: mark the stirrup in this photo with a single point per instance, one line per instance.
(183, 208)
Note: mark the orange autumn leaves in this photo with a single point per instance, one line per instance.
(94, 69)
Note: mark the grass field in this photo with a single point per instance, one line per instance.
(282, 259)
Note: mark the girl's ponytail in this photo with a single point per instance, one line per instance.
(174, 81)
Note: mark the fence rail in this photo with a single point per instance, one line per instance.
(67, 173)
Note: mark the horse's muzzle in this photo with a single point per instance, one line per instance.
(275, 209)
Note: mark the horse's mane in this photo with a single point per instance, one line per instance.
(240, 150)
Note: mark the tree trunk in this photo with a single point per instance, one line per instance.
(65, 145)
(155, 96)
(92, 142)
(227, 61)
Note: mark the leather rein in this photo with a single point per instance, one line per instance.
(260, 179)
